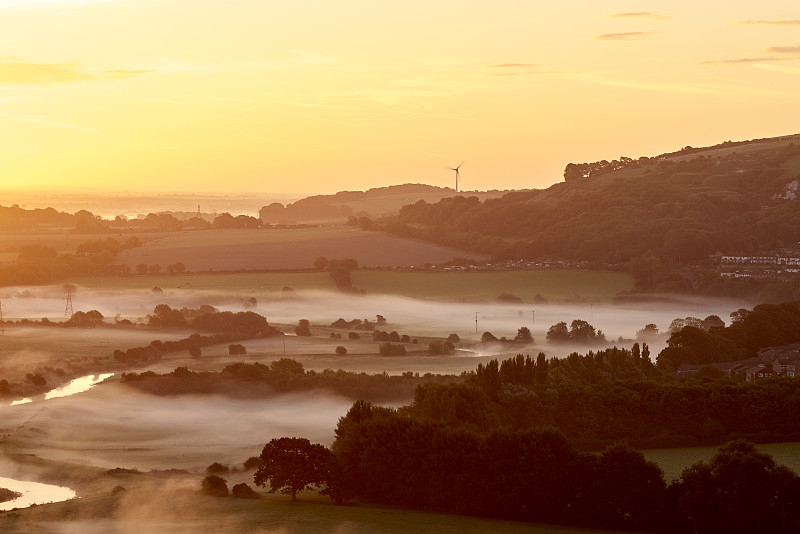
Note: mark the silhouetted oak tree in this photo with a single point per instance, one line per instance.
(293, 464)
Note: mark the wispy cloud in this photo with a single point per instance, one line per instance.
(66, 126)
(784, 49)
(14, 71)
(513, 69)
(787, 69)
(741, 61)
(683, 87)
(125, 73)
(513, 66)
(623, 36)
(435, 116)
(639, 15)
(47, 4)
(166, 100)
(787, 22)
(303, 59)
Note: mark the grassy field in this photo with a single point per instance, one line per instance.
(461, 286)
(167, 509)
(245, 282)
(674, 461)
(64, 240)
(473, 286)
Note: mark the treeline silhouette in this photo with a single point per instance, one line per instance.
(575, 171)
(766, 325)
(15, 218)
(229, 327)
(257, 380)
(40, 264)
(613, 394)
(333, 206)
(387, 456)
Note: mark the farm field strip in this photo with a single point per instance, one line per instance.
(462, 286)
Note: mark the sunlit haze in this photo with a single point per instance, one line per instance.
(312, 96)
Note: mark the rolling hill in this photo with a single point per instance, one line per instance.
(658, 218)
(373, 203)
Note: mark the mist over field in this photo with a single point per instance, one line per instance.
(115, 426)
(412, 316)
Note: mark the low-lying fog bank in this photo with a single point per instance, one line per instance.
(416, 317)
(114, 426)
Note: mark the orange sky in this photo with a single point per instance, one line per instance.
(314, 96)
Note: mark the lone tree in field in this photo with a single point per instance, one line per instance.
(293, 464)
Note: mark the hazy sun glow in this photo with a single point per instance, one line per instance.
(311, 96)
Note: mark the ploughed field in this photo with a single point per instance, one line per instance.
(285, 248)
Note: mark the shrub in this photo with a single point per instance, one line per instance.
(195, 351)
(440, 347)
(341, 350)
(236, 349)
(303, 328)
(354, 335)
(217, 469)
(214, 486)
(243, 491)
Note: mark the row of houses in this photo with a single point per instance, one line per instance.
(771, 362)
(760, 260)
(761, 273)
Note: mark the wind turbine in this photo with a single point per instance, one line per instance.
(457, 174)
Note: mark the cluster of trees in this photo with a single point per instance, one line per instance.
(614, 394)
(256, 380)
(359, 324)
(310, 208)
(157, 348)
(226, 220)
(579, 331)
(766, 325)
(40, 264)
(523, 336)
(575, 171)
(393, 336)
(339, 271)
(89, 319)
(384, 455)
(207, 318)
(668, 213)
(16, 218)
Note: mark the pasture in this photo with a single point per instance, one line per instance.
(674, 461)
(171, 508)
(553, 285)
(488, 285)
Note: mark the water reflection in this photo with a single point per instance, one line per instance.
(78, 385)
(33, 493)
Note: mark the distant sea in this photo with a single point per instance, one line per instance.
(110, 204)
